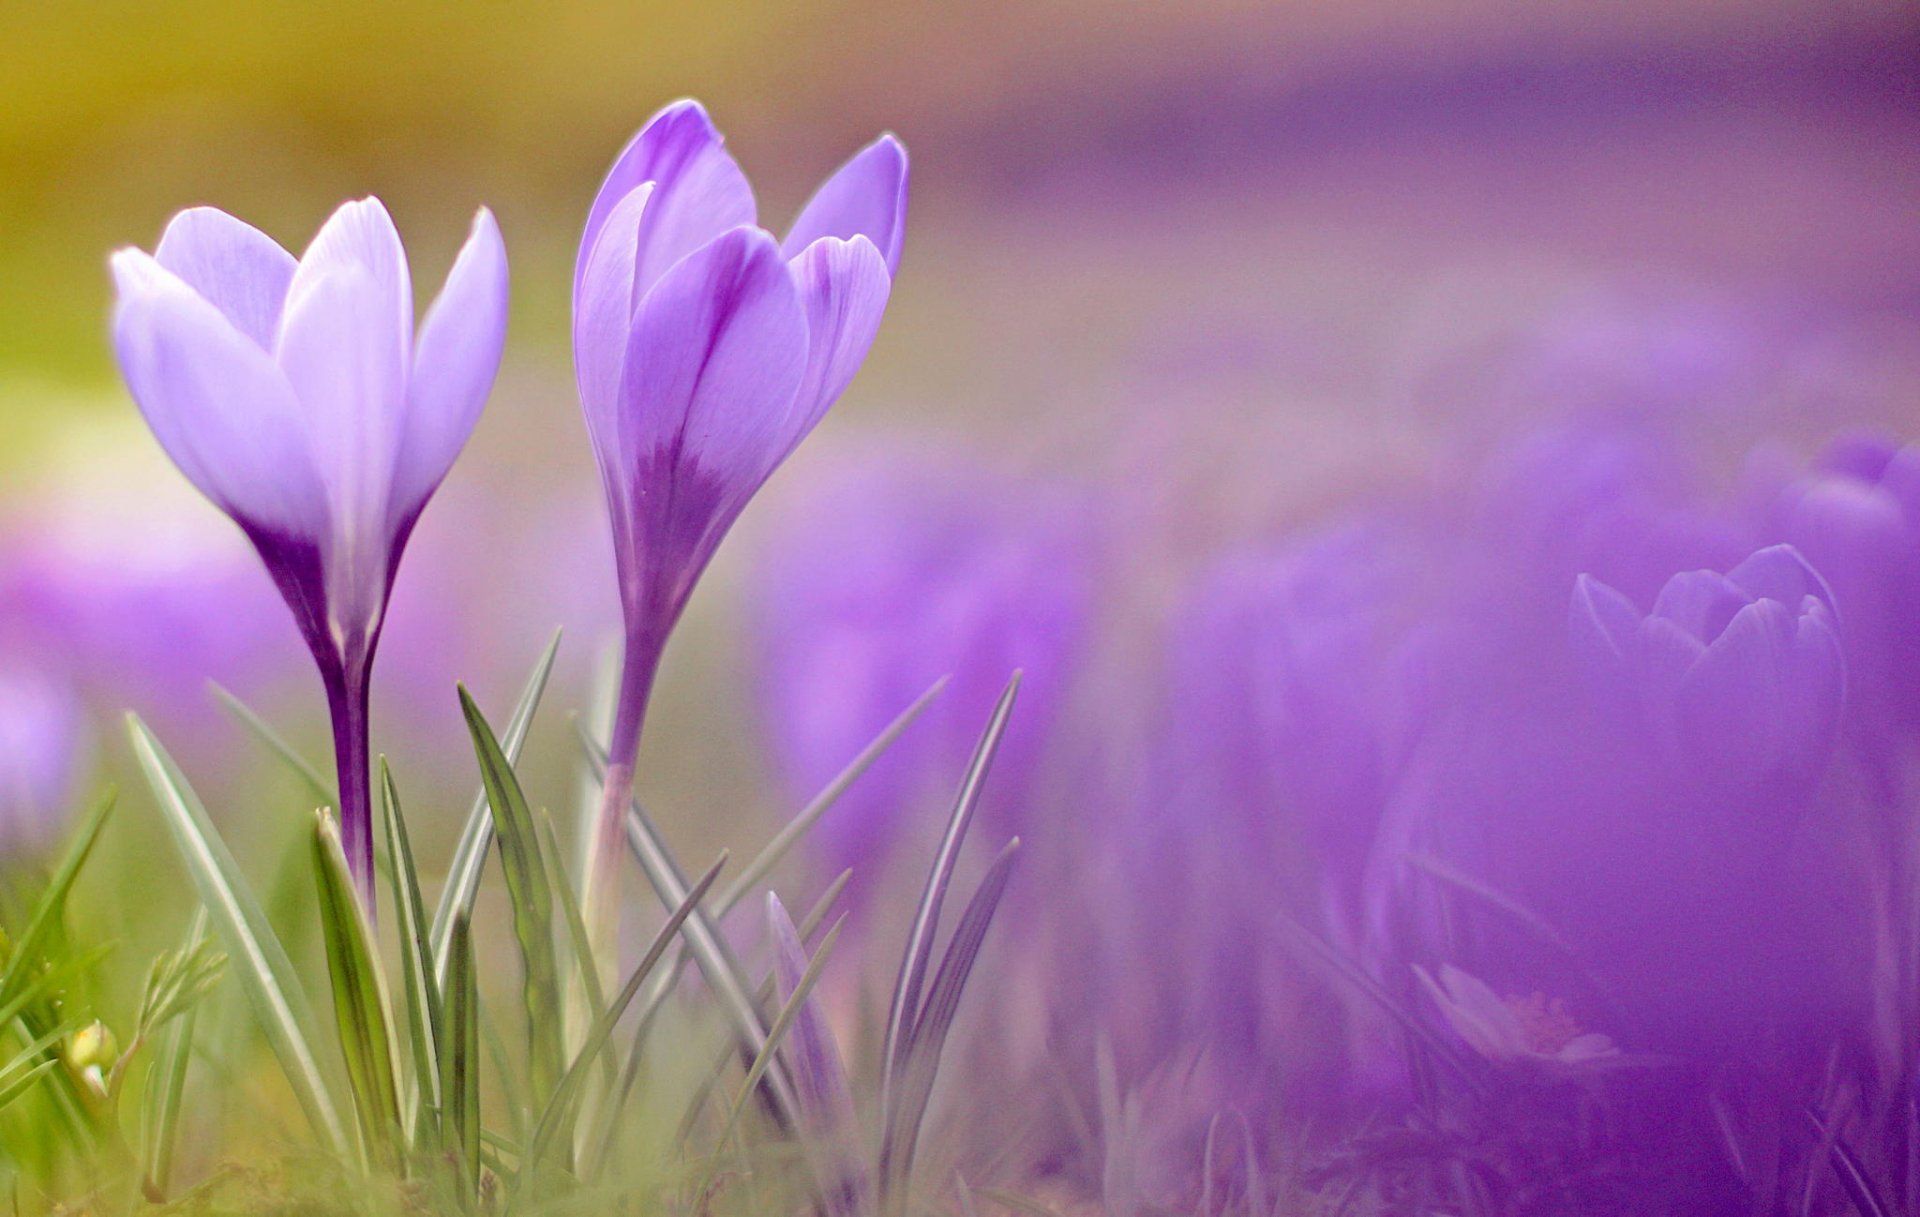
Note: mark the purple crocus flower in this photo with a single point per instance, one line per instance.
(297, 397)
(1286, 704)
(705, 350)
(1856, 516)
(1742, 672)
(890, 568)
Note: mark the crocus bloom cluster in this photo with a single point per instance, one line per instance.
(1741, 672)
(297, 396)
(706, 349)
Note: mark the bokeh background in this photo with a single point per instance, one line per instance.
(1233, 264)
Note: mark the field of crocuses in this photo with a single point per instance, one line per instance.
(1237, 611)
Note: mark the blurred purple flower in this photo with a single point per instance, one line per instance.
(115, 578)
(889, 571)
(1856, 517)
(705, 350)
(42, 738)
(1286, 706)
(1741, 672)
(296, 396)
(1602, 497)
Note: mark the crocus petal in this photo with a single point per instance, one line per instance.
(1665, 655)
(1902, 481)
(1701, 602)
(1856, 453)
(1604, 624)
(1778, 572)
(215, 401)
(603, 318)
(818, 1072)
(716, 356)
(699, 192)
(1818, 680)
(349, 373)
(1730, 707)
(843, 287)
(865, 197)
(237, 268)
(454, 366)
(360, 236)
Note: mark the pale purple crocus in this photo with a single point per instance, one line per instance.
(297, 396)
(1741, 674)
(705, 350)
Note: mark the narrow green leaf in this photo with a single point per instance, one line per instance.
(1847, 1167)
(556, 1120)
(531, 897)
(12, 1088)
(1323, 952)
(715, 958)
(470, 853)
(167, 1079)
(460, 1063)
(796, 828)
(265, 974)
(23, 964)
(576, 923)
(904, 1010)
(319, 789)
(927, 1040)
(425, 1026)
(763, 1063)
(1520, 914)
(359, 999)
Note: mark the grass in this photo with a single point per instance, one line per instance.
(417, 1087)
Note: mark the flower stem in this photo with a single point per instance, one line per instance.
(602, 897)
(347, 703)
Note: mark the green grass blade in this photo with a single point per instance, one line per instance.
(1338, 966)
(425, 1025)
(576, 925)
(476, 837)
(531, 898)
(1848, 1169)
(23, 964)
(266, 976)
(13, 1088)
(904, 1010)
(555, 1121)
(763, 1062)
(712, 954)
(901, 1123)
(359, 999)
(796, 828)
(716, 960)
(460, 1063)
(319, 788)
(167, 1080)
